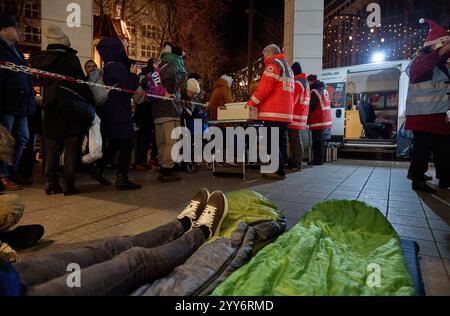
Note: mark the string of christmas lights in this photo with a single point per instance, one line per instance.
(349, 35)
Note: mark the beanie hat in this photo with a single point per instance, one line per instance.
(7, 21)
(55, 35)
(297, 69)
(436, 35)
(193, 86)
(228, 79)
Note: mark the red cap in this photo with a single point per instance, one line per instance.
(436, 35)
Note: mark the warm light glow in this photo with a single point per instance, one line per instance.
(378, 57)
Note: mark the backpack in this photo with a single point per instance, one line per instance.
(100, 94)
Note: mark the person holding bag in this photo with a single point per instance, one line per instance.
(68, 111)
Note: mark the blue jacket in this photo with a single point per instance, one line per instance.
(117, 121)
(16, 88)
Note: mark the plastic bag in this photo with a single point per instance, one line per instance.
(95, 143)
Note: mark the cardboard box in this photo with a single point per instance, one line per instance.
(237, 111)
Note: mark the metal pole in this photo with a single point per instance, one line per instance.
(251, 15)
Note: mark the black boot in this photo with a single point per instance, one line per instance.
(423, 187)
(23, 237)
(124, 184)
(97, 175)
(69, 187)
(53, 188)
(167, 175)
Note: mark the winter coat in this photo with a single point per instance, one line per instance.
(421, 72)
(221, 95)
(173, 73)
(320, 117)
(151, 83)
(16, 88)
(61, 60)
(275, 94)
(117, 121)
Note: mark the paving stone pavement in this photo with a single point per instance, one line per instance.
(102, 212)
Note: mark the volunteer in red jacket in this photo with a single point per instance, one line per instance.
(302, 97)
(275, 101)
(427, 108)
(319, 120)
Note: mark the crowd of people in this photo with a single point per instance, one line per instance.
(142, 122)
(164, 97)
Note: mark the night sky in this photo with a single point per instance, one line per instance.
(236, 29)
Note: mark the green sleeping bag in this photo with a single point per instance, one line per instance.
(339, 248)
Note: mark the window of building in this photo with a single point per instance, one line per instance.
(33, 10)
(131, 28)
(32, 34)
(149, 51)
(132, 49)
(151, 31)
(8, 5)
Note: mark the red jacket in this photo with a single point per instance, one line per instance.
(302, 97)
(321, 117)
(421, 71)
(275, 94)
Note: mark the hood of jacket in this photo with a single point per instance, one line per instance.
(47, 58)
(112, 50)
(221, 83)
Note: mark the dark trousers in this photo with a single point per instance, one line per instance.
(425, 144)
(318, 147)
(54, 147)
(124, 147)
(114, 267)
(296, 143)
(146, 134)
(282, 142)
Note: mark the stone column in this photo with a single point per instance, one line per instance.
(308, 34)
(55, 12)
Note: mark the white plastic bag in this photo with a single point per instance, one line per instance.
(95, 143)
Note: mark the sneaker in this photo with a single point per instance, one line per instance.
(23, 237)
(196, 207)
(423, 187)
(214, 214)
(426, 177)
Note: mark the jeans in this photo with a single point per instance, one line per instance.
(425, 144)
(54, 147)
(282, 142)
(318, 147)
(18, 126)
(115, 267)
(296, 143)
(124, 147)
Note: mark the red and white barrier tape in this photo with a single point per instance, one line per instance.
(45, 74)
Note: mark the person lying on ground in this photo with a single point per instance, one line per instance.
(118, 266)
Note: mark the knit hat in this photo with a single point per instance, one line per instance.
(7, 21)
(55, 35)
(228, 79)
(436, 35)
(297, 69)
(193, 86)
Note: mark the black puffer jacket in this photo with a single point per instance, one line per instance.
(16, 88)
(62, 60)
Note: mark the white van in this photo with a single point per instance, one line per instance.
(368, 105)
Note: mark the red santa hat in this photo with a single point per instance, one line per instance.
(436, 35)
